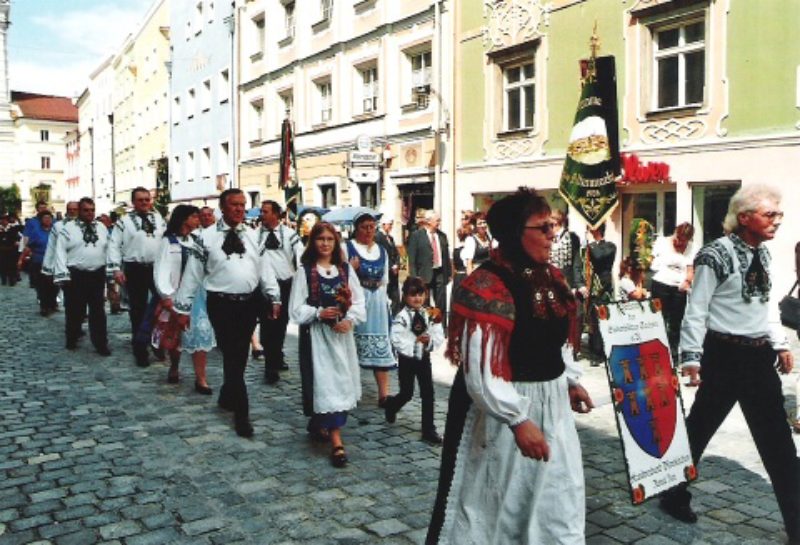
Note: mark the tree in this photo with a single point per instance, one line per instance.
(162, 186)
(10, 201)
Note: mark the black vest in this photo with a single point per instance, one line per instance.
(535, 349)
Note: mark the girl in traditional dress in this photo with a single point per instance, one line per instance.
(511, 467)
(327, 301)
(371, 263)
(199, 339)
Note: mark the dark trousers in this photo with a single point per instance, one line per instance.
(233, 322)
(731, 373)
(46, 290)
(393, 290)
(673, 307)
(140, 286)
(8, 265)
(273, 332)
(408, 370)
(438, 293)
(86, 289)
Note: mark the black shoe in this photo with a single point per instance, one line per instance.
(200, 389)
(382, 402)
(257, 354)
(243, 427)
(43, 312)
(389, 413)
(142, 360)
(271, 377)
(432, 438)
(72, 345)
(338, 457)
(173, 378)
(677, 509)
(103, 351)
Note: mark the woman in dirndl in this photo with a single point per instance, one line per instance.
(327, 302)
(170, 263)
(511, 467)
(371, 263)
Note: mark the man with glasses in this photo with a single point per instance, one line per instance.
(732, 332)
(282, 248)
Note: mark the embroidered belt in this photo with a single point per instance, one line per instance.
(231, 296)
(370, 283)
(739, 340)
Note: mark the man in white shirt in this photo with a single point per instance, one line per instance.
(227, 261)
(80, 269)
(282, 248)
(132, 250)
(732, 329)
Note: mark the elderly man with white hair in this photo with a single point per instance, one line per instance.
(429, 259)
(732, 332)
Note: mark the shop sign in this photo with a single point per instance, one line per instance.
(636, 172)
(365, 157)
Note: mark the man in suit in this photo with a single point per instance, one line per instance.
(384, 238)
(429, 259)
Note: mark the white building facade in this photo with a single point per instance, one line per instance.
(202, 90)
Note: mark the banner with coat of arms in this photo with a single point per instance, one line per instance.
(645, 391)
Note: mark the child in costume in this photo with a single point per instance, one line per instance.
(416, 331)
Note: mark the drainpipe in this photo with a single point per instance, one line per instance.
(113, 162)
(91, 163)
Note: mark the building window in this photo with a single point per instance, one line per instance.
(327, 194)
(45, 163)
(260, 38)
(709, 207)
(257, 108)
(519, 88)
(326, 9)
(190, 166)
(44, 135)
(420, 78)
(205, 99)
(198, 16)
(224, 86)
(679, 60)
(224, 157)
(190, 104)
(368, 195)
(369, 90)
(205, 164)
(288, 19)
(325, 92)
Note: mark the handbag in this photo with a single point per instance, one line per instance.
(790, 310)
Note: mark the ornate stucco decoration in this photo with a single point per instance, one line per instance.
(674, 130)
(511, 22)
(513, 149)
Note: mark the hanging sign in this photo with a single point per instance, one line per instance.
(645, 391)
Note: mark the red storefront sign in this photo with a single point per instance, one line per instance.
(636, 172)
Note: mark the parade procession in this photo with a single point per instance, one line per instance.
(467, 272)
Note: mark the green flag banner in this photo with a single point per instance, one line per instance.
(592, 166)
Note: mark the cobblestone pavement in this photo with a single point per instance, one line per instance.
(97, 450)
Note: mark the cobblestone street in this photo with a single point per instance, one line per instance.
(97, 450)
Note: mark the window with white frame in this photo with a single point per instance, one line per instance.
(189, 166)
(285, 104)
(190, 103)
(257, 110)
(205, 99)
(325, 101)
(259, 36)
(326, 9)
(369, 89)
(44, 135)
(327, 194)
(198, 16)
(420, 69)
(519, 92)
(223, 166)
(679, 59)
(288, 19)
(205, 164)
(224, 86)
(45, 162)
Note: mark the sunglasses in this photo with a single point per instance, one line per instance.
(544, 228)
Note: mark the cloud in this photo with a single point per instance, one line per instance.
(51, 79)
(95, 32)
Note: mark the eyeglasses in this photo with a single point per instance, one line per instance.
(771, 215)
(544, 228)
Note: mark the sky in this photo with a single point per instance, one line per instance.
(53, 45)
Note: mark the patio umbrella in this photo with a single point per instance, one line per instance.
(253, 213)
(345, 215)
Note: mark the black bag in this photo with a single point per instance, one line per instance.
(790, 310)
